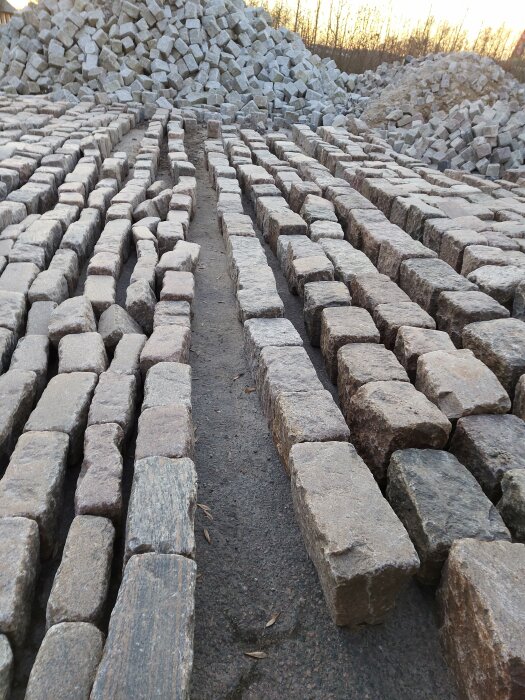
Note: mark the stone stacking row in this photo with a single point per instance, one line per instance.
(88, 409)
(288, 387)
(423, 485)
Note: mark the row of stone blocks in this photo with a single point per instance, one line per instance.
(73, 607)
(416, 477)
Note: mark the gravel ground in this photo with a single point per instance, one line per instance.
(255, 565)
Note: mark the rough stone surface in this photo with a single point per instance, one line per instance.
(32, 484)
(165, 431)
(167, 383)
(412, 342)
(424, 279)
(459, 384)
(6, 667)
(99, 485)
(17, 396)
(362, 554)
(82, 352)
(455, 310)
(114, 400)
(66, 663)
(389, 416)
(263, 332)
(389, 318)
(319, 296)
(166, 344)
(73, 315)
(490, 446)
(162, 506)
(19, 551)
(512, 502)
(500, 344)
(115, 322)
(161, 640)
(481, 601)
(438, 501)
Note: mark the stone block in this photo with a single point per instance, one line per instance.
(32, 484)
(361, 363)
(178, 286)
(369, 557)
(489, 446)
(140, 304)
(81, 582)
(17, 396)
(115, 322)
(412, 342)
(264, 332)
(389, 416)
(151, 627)
(12, 312)
(114, 400)
(315, 268)
(101, 292)
(343, 325)
(438, 501)
(306, 416)
(82, 352)
(284, 222)
(424, 280)
(19, 552)
(319, 296)
(393, 252)
(165, 431)
(161, 509)
(7, 345)
(126, 357)
(39, 316)
(256, 303)
(99, 485)
(166, 344)
(18, 277)
(76, 649)
(455, 310)
(167, 383)
(498, 281)
(63, 408)
(31, 355)
(500, 344)
(389, 318)
(370, 290)
(172, 313)
(481, 591)
(73, 315)
(6, 667)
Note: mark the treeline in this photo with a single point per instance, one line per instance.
(363, 38)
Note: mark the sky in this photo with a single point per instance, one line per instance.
(473, 14)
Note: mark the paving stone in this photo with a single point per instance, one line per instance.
(453, 244)
(19, 552)
(326, 229)
(82, 352)
(480, 593)
(360, 363)
(315, 268)
(167, 383)
(18, 277)
(459, 384)
(498, 281)
(319, 296)
(264, 332)
(162, 506)
(17, 396)
(140, 304)
(256, 303)
(76, 649)
(369, 557)
(114, 322)
(31, 355)
(166, 344)
(63, 408)
(389, 416)
(393, 252)
(114, 400)
(126, 357)
(512, 502)
(283, 369)
(12, 312)
(500, 344)
(151, 627)
(389, 318)
(99, 485)
(370, 290)
(81, 583)
(49, 285)
(412, 342)
(73, 315)
(32, 484)
(6, 667)
(489, 446)
(424, 280)
(178, 286)
(172, 313)
(343, 325)
(66, 262)
(455, 310)
(165, 431)
(100, 290)
(438, 501)
(39, 316)
(295, 421)
(284, 222)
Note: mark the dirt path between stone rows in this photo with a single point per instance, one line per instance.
(256, 565)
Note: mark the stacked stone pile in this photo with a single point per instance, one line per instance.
(214, 53)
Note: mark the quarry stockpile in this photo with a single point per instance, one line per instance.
(218, 54)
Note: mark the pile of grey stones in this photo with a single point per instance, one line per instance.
(216, 54)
